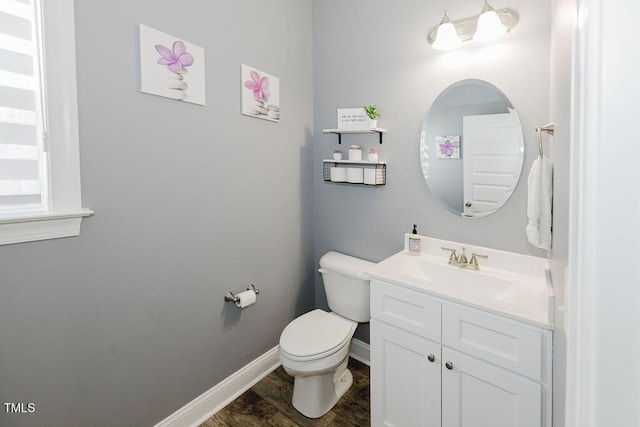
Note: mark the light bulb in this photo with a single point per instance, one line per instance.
(446, 36)
(489, 27)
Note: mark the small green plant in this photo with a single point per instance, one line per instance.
(372, 112)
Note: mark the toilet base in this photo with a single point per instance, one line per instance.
(315, 395)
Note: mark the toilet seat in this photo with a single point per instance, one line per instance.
(315, 335)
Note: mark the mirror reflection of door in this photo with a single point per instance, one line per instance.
(484, 168)
(491, 161)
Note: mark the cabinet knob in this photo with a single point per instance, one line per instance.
(449, 365)
(431, 358)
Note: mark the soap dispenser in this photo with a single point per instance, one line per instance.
(414, 242)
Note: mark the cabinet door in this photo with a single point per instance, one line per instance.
(405, 384)
(478, 394)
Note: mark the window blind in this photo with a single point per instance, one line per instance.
(22, 158)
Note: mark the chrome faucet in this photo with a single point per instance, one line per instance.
(461, 260)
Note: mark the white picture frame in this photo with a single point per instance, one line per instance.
(260, 94)
(448, 147)
(171, 67)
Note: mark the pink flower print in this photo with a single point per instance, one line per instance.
(175, 59)
(447, 147)
(259, 86)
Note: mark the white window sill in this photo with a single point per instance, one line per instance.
(50, 225)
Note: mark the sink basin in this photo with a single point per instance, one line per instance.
(464, 281)
(507, 283)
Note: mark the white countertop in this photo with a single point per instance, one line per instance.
(511, 285)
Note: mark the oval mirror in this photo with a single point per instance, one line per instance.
(471, 148)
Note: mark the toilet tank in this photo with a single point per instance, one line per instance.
(346, 285)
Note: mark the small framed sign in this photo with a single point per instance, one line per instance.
(352, 118)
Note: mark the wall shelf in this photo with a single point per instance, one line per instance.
(371, 174)
(340, 132)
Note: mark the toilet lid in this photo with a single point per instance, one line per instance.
(315, 333)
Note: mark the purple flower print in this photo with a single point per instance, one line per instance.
(177, 59)
(447, 147)
(259, 86)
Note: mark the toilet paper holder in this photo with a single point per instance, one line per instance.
(230, 297)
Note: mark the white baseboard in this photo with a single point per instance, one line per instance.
(360, 351)
(204, 406)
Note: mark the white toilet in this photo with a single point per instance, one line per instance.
(314, 348)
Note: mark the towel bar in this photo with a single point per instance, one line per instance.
(548, 128)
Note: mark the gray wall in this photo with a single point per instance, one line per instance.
(563, 25)
(376, 52)
(126, 323)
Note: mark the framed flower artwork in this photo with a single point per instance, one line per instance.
(171, 67)
(260, 94)
(448, 147)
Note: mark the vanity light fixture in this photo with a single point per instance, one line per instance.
(489, 25)
(446, 35)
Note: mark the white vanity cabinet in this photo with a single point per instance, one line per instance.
(405, 377)
(436, 362)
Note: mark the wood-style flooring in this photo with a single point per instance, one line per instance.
(268, 403)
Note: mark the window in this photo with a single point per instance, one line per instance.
(39, 153)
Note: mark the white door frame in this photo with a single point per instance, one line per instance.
(603, 371)
(580, 322)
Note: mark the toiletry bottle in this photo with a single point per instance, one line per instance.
(414, 242)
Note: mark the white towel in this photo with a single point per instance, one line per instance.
(539, 201)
